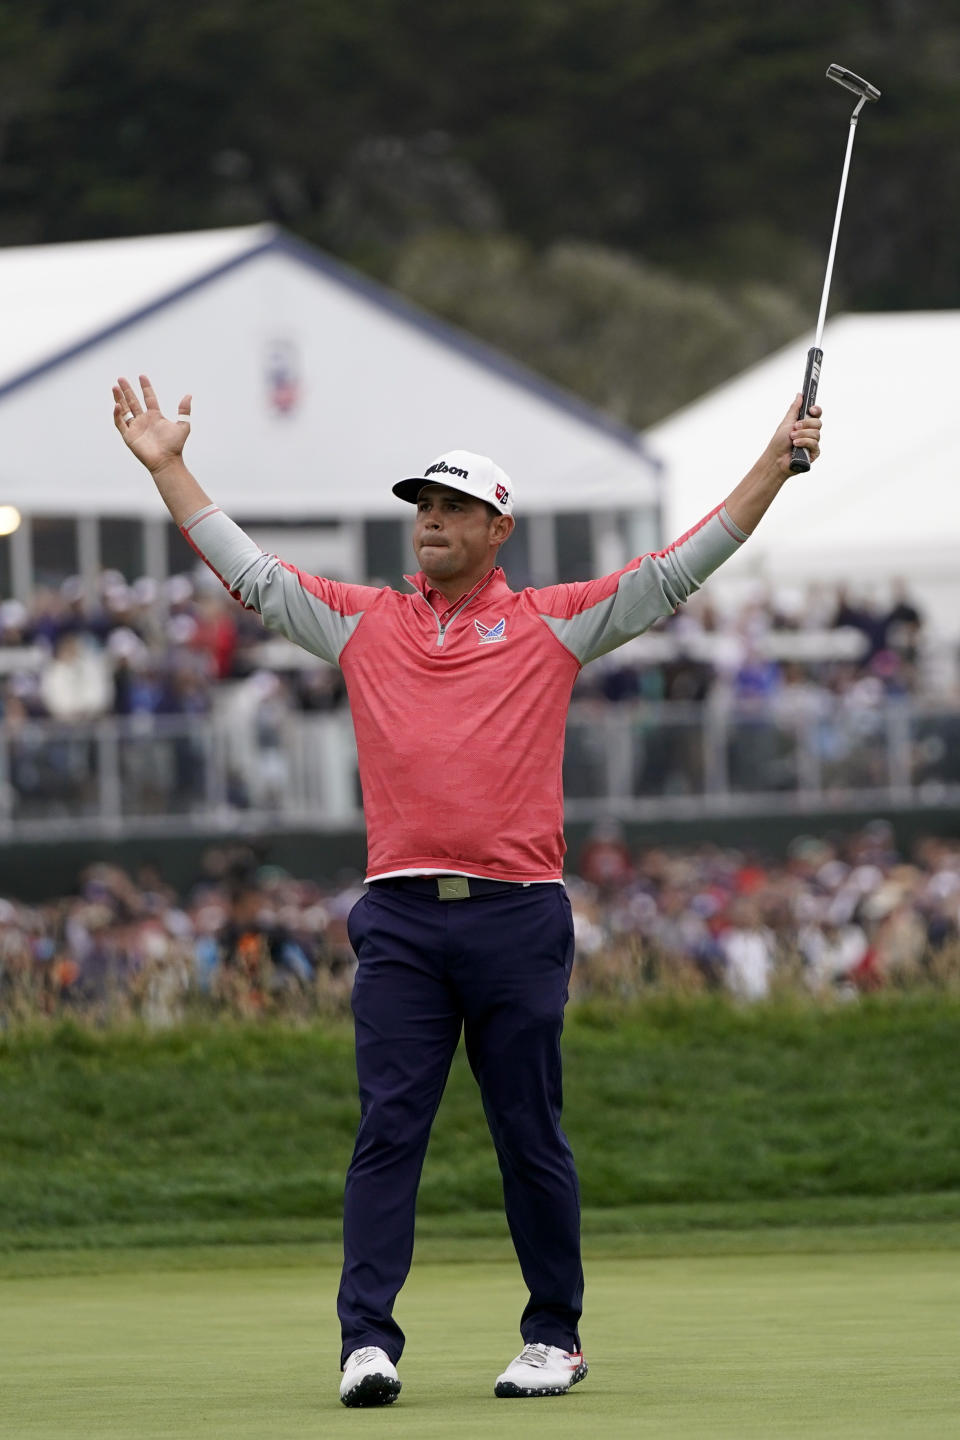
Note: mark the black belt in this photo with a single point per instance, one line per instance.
(446, 887)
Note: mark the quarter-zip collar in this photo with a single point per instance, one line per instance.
(443, 611)
(438, 602)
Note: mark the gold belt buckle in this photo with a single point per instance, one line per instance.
(453, 887)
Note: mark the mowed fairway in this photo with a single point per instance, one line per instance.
(188, 1344)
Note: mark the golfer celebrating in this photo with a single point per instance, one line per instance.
(459, 692)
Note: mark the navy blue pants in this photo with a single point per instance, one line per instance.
(497, 966)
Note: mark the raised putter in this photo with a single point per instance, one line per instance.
(799, 459)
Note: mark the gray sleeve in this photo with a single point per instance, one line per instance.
(319, 615)
(596, 616)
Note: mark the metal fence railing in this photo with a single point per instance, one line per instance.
(175, 774)
(648, 759)
(160, 774)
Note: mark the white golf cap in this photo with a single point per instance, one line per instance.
(475, 475)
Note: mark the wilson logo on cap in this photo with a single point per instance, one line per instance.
(442, 468)
(463, 470)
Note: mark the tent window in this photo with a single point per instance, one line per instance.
(644, 531)
(574, 547)
(121, 547)
(181, 560)
(515, 555)
(387, 552)
(54, 549)
(316, 546)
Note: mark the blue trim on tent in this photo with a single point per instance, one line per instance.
(285, 244)
(461, 340)
(170, 298)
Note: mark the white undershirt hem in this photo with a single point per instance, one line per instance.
(468, 874)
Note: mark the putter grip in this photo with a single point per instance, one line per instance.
(799, 459)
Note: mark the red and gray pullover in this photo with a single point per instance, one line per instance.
(460, 710)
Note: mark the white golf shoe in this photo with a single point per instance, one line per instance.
(369, 1378)
(541, 1370)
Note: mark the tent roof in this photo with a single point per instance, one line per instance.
(883, 495)
(381, 386)
(55, 298)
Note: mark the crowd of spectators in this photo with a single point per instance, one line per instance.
(799, 683)
(247, 938)
(834, 917)
(152, 649)
(144, 649)
(794, 652)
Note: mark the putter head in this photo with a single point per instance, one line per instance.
(849, 81)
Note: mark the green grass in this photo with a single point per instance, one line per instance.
(681, 1114)
(854, 1345)
(771, 1225)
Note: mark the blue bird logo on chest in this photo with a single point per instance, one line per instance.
(490, 634)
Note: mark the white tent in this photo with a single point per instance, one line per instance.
(882, 501)
(314, 389)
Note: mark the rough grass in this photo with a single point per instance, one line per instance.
(675, 1109)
